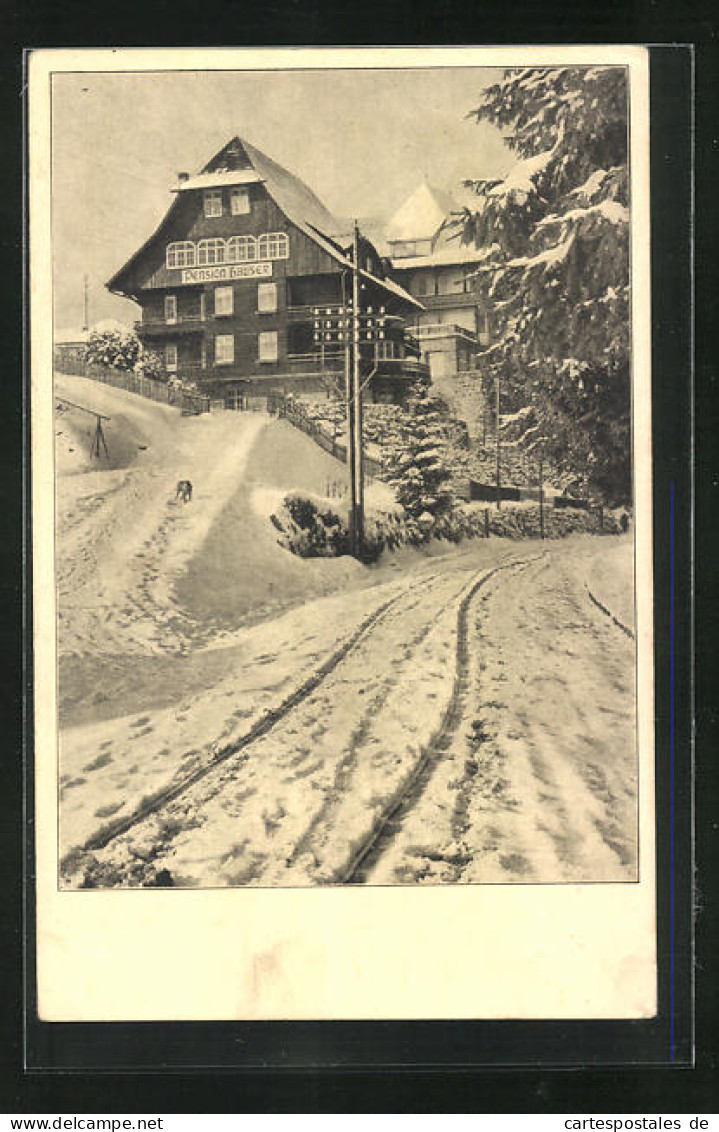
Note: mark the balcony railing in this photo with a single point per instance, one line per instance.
(303, 366)
(410, 368)
(185, 324)
(444, 330)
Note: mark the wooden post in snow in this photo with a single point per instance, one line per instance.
(541, 495)
(356, 432)
(497, 456)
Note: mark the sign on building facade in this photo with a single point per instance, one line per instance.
(226, 273)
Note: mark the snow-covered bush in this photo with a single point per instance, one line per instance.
(115, 348)
(151, 365)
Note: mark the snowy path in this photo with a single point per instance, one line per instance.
(234, 715)
(479, 730)
(124, 538)
(537, 778)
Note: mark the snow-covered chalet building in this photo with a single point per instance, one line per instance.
(240, 284)
(438, 270)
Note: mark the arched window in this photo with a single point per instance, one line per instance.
(240, 249)
(180, 254)
(210, 251)
(273, 245)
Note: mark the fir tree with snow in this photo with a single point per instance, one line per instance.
(555, 277)
(418, 466)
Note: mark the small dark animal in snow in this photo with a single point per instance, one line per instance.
(184, 491)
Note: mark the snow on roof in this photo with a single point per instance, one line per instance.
(298, 202)
(218, 179)
(294, 197)
(460, 254)
(421, 215)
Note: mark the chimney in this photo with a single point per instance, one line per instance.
(182, 177)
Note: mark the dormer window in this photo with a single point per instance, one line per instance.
(213, 202)
(239, 202)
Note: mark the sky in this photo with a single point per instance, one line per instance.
(361, 139)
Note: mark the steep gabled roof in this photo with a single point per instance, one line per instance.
(300, 205)
(421, 215)
(238, 157)
(294, 197)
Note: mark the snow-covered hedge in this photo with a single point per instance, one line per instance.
(313, 527)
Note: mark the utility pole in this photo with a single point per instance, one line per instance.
(356, 427)
(541, 494)
(86, 307)
(349, 399)
(496, 421)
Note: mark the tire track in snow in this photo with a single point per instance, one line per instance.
(267, 721)
(608, 613)
(323, 821)
(366, 857)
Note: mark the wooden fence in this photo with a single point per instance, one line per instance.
(372, 467)
(190, 404)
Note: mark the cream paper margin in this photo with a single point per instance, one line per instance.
(495, 951)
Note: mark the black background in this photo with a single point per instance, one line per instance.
(627, 1088)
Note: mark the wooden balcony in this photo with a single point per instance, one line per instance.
(162, 328)
(304, 366)
(445, 330)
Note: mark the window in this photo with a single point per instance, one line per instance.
(224, 349)
(239, 202)
(267, 298)
(403, 248)
(451, 282)
(425, 284)
(273, 245)
(210, 251)
(213, 202)
(181, 254)
(170, 308)
(267, 346)
(171, 356)
(223, 300)
(240, 249)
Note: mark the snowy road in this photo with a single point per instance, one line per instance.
(480, 729)
(233, 715)
(535, 776)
